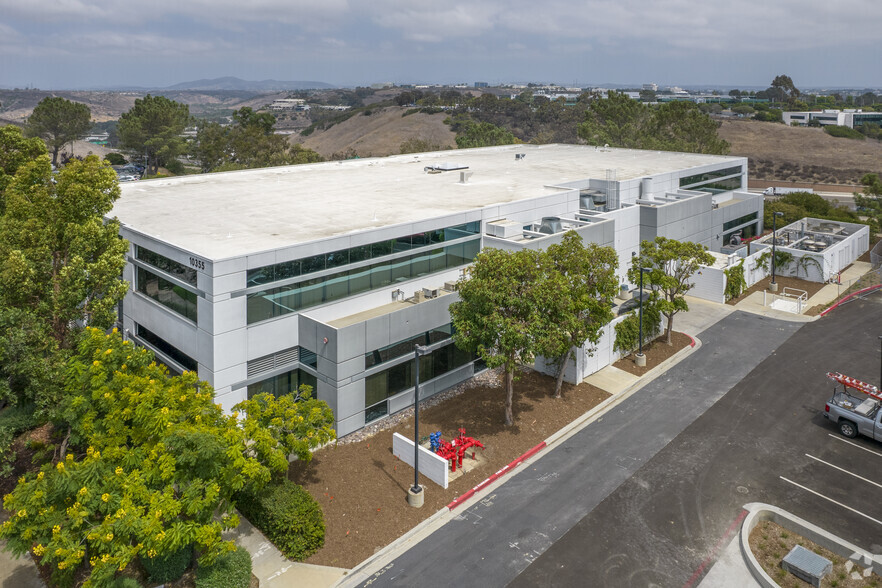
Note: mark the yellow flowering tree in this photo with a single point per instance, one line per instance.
(151, 464)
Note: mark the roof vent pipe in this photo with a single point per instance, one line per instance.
(464, 177)
(646, 189)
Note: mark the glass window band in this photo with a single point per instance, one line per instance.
(335, 259)
(171, 295)
(282, 300)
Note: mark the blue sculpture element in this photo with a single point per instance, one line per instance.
(435, 441)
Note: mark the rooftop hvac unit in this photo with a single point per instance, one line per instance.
(504, 228)
(430, 292)
(520, 156)
(450, 286)
(550, 225)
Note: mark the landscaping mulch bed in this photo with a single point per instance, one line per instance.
(770, 542)
(362, 487)
(658, 349)
(811, 288)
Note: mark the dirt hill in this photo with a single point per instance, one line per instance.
(779, 152)
(380, 133)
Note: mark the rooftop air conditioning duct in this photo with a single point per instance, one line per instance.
(550, 225)
(646, 189)
(586, 202)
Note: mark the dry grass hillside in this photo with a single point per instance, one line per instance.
(380, 133)
(778, 152)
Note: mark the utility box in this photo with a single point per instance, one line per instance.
(807, 565)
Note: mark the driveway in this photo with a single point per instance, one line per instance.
(499, 538)
(764, 441)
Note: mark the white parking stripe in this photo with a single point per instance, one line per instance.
(845, 506)
(838, 438)
(844, 470)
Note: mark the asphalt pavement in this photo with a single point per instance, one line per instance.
(766, 441)
(497, 539)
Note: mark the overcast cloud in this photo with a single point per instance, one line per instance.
(95, 43)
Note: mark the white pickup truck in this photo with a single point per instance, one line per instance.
(855, 414)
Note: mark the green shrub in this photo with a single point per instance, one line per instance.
(844, 132)
(628, 331)
(735, 282)
(231, 570)
(168, 567)
(19, 418)
(288, 516)
(176, 167)
(125, 582)
(115, 158)
(7, 455)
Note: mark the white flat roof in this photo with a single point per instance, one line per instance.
(230, 214)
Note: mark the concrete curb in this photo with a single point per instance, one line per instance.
(608, 404)
(493, 477)
(765, 512)
(850, 296)
(361, 572)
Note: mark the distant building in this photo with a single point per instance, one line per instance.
(289, 104)
(481, 84)
(850, 118)
(651, 87)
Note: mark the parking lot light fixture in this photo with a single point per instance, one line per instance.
(415, 496)
(641, 359)
(773, 286)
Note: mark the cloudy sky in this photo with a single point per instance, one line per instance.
(57, 44)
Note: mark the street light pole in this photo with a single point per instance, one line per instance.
(641, 359)
(880, 367)
(773, 286)
(415, 496)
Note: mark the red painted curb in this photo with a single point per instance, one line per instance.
(727, 536)
(504, 470)
(850, 296)
(691, 338)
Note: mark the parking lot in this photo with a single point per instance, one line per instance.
(767, 441)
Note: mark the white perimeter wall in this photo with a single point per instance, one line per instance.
(432, 465)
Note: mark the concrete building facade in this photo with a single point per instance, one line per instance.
(328, 274)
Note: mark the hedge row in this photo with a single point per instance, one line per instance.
(288, 516)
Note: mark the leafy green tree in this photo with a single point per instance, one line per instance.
(743, 109)
(671, 263)
(784, 84)
(246, 117)
(619, 121)
(248, 143)
(577, 298)
(616, 121)
(153, 127)
(58, 122)
(497, 315)
(59, 259)
(417, 145)
(484, 134)
(29, 365)
(872, 184)
(681, 126)
(153, 465)
(15, 151)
